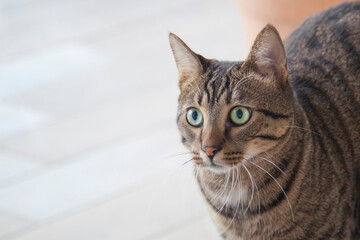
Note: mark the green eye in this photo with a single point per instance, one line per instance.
(194, 117)
(240, 115)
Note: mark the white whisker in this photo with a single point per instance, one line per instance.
(221, 190)
(178, 154)
(292, 213)
(238, 205)
(196, 171)
(269, 161)
(252, 191)
(186, 162)
(305, 129)
(228, 195)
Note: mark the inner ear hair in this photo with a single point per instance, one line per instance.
(267, 55)
(188, 63)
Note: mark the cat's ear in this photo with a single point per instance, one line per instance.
(188, 63)
(267, 54)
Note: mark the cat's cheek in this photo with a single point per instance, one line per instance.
(187, 143)
(190, 137)
(187, 134)
(256, 147)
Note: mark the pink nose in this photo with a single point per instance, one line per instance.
(211, 150)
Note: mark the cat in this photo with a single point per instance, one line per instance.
(275, 139)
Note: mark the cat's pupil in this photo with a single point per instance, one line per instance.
(194, 115)
(239, 114)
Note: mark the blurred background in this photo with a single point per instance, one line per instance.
(88, 98)
(88, 93)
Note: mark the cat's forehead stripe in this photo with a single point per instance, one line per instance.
(225, 86)
(218, 81)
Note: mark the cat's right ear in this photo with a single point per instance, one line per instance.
(187, 62)
(267, 55)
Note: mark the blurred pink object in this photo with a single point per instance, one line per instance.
(285, 15)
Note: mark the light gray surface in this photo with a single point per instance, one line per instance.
(87, 117)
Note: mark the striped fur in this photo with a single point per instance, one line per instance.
(292, 171)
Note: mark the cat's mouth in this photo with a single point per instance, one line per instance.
(217, 162)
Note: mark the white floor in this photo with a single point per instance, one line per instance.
(88, 101)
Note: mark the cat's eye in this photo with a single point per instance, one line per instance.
(240, 115)
(194, 117)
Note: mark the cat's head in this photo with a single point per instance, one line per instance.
(231, 111)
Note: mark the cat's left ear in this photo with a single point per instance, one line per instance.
(267, 55)
(188, 63)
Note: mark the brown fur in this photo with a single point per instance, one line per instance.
(292, 171)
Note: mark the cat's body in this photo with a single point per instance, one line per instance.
(287, 164)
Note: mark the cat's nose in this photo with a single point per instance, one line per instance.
(211, 150)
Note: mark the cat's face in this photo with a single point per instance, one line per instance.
(231, 111)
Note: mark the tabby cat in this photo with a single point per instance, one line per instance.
(275, 139)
